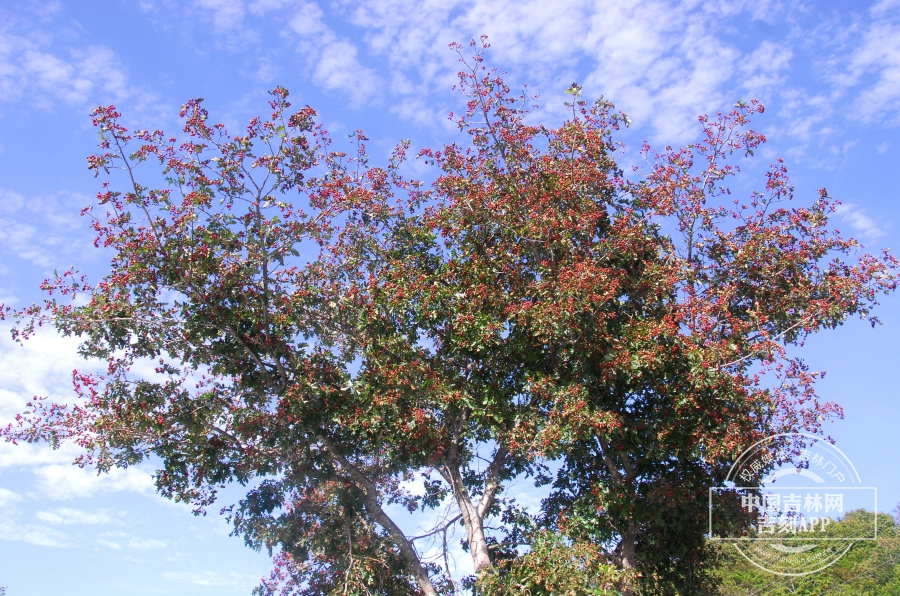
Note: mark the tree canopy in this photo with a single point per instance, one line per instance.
(324, 331)
(869, 567)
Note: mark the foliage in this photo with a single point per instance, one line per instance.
(533, 304)
(554, 567)
(870, 567)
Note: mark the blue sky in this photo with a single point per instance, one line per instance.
(828, 72)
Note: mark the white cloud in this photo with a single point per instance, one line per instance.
(225, 14)
(91, 74)
(13, 531)
(806, 116)
(423, 113)
(37, 535)
(107, 539)
(47, 10)
(65, 516)
(267, 71)
(231, 15)
(765, 66)
(41, 366)
(661, 68)
(146, 543)
(662, 63)
(263, 6)
(209, 578)
(45, 61)
(883, 147)
(863, 225)
(332, 59)
(19, 239)
(880, 53)
(10, 201)
(8, 497)
(35, 455)
(863, 61)
(36, 228)
(61, 482)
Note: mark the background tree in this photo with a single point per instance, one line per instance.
(532, 305)
(870, 567)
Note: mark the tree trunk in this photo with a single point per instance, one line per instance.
(477, 542)
(474, 522)
(626, 557)
(473, 515)
(370, 499)
(406, 548)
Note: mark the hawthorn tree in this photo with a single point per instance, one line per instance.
(534, 312)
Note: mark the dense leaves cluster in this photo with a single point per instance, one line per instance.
(322, 330)
(869, 567)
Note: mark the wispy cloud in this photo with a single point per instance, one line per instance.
(47, 63)
(146, 543)
(43, 367)
(765, 67)
(32, 534)
(46, 10)
(880, 54)
(861, 59)
(212, 579)
(7, 497)
(65, 516)
(61, 482)
(329, 60)
(35, 228)
(77, 75)
(862, 224)
(225, 14)
(13, 531)
(116, 540)
(332, 58)
(662, 64)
